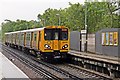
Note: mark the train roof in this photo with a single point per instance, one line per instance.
(36, 29)
(29, 30)
(12, 32)
(55, 27)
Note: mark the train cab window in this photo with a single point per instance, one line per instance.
(64, 35)
(56, 36)
(48, 35)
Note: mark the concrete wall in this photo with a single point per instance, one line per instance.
(107, 49)
(75, 41)
(95, 44)
(91, 42)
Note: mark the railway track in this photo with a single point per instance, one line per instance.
(38, 69)
(46, 74)
(86, 74)
(64, 72)
(56, 68)
(89, 73)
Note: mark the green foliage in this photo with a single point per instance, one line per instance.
(99, 16)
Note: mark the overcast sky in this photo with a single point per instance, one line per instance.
(29, 9)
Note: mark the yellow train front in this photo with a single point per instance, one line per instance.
(51, 42)
(55, 42)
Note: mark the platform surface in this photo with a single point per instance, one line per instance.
(114, 60)
(9, 70)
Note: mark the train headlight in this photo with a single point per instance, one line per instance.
(65, 46)
(47, 46)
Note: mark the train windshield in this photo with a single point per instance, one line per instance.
(56, 34)
(48, 34)
(64, 34)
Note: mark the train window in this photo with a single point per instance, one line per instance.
(28, 36)
(13, 36)
(56, 36)
(22, 36)
(17, 37)
(48, 35)
(35, 37)
(64, 35)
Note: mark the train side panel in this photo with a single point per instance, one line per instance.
(49, 42)
(9, 39)
(14, 38)
(35, 40)
(28, 40)
(22, 39)
(41, 41)
(18, 39)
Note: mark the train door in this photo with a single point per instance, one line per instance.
(12, 38)
(28, 37)
(35, 40)
(31, 41)
(56, 37)
(15, 38)
(39, 40)
(22, 39)
(18, 38)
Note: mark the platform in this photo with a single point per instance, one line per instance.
(109, 59)
(9, 70)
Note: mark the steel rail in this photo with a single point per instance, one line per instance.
(70, 76)
(36, 68)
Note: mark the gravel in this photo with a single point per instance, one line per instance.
(77, 72)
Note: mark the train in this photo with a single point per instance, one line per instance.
(47, 43)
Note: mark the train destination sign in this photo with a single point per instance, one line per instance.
(83, 31)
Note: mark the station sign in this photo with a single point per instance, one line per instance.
(83, 31)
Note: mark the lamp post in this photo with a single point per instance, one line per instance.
(58, 19)
(86, 27)
(118, 12)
